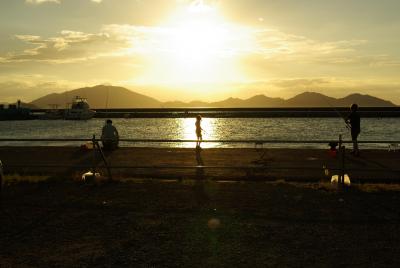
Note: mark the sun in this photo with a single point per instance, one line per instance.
(198, 41)
(196, 46)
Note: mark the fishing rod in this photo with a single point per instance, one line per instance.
(348, 126)
(107, 100)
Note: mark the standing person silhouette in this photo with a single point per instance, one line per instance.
(354, 120)
(198, 131)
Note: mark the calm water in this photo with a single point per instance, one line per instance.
(215, 128)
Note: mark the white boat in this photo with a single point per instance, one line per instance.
(79, 110)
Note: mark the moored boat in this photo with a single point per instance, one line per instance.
(52, 114)
(80, 110)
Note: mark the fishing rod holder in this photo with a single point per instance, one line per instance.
(97, 148)
(342, 152)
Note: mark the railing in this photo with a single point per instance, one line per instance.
(96, 146)
(205, 141)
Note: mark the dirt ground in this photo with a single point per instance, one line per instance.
(189, 223)
(244, 163)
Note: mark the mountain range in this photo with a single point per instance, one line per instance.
(103, 96)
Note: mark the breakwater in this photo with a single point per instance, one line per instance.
(368, 112)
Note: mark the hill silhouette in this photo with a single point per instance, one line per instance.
(119, 97)
(311, 99)
(364, 100)
(100, 96)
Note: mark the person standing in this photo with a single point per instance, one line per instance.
(354, 120)
(109, 136)
(198, 131)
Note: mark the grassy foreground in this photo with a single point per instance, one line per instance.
(149, 223)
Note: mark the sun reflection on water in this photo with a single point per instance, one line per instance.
(189, 131)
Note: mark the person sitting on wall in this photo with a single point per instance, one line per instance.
(109, 136)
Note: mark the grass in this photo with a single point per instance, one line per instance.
(17, 178)
(326, 186)
(153, 223)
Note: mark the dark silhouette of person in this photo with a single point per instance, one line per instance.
(109, 136)
(198, 131)
(354, 120)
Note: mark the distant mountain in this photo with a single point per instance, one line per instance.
(120, 97)
(99, 97)
(27, 105)
(364, 100)
(310, 99)
(306, 99)
(256, 101)
(313, 99)
(264, 101)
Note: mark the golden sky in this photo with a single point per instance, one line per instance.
(204, 50)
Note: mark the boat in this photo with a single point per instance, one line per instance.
(79, 110)
(15, 112)
(52, 114)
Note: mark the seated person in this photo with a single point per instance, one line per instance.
(109, 136)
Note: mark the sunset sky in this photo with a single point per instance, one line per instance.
(204, 50)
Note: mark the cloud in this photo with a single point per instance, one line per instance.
(29, 87)
(38, 2)
(301, 82)
(41, 1)
(279, 46)
(255, 48)
(379, 60)
(265, 44)
(69, 46)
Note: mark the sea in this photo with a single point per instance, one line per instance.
(279, 129)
